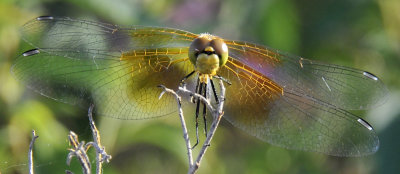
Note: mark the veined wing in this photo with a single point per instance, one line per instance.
(343, 87)
(291, 119)
(73, 34)
(295, 103)
(116, 68)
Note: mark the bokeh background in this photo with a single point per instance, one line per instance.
(364, 34)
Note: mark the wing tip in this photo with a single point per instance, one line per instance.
(31, 52)
(370, 75)
(43, 18)
(365, 124)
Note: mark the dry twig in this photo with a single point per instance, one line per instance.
(80, 149)
(216, 114)
(30, 153)
(101, 155)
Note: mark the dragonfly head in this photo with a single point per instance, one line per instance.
(208, 53)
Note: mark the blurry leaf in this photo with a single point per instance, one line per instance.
(279, 26)
(278, 160)
(34, 115)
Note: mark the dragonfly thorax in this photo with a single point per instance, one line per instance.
(208, 53)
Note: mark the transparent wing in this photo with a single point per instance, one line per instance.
(116, 68)
(344, 87)
(291, 119)
(278, 98)
(81, 35)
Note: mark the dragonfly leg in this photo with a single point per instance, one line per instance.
(205, 110)
(197, 115)
(193, 99)
(187, 76)
(223, 79)
(214, 92)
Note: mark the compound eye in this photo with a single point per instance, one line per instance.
(219, 46)
(199, 44)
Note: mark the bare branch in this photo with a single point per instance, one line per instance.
(202, 98)
(101, 155)
(30, 153)
(216, 114)
(183, 122)
(221, 98)
(80, 148)
(206, 144)
(79, 151)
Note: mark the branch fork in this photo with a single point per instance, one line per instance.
(80, 149)
(217, 114)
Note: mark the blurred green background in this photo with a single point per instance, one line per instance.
(364, 34)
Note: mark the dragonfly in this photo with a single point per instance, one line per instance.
(283, 99)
